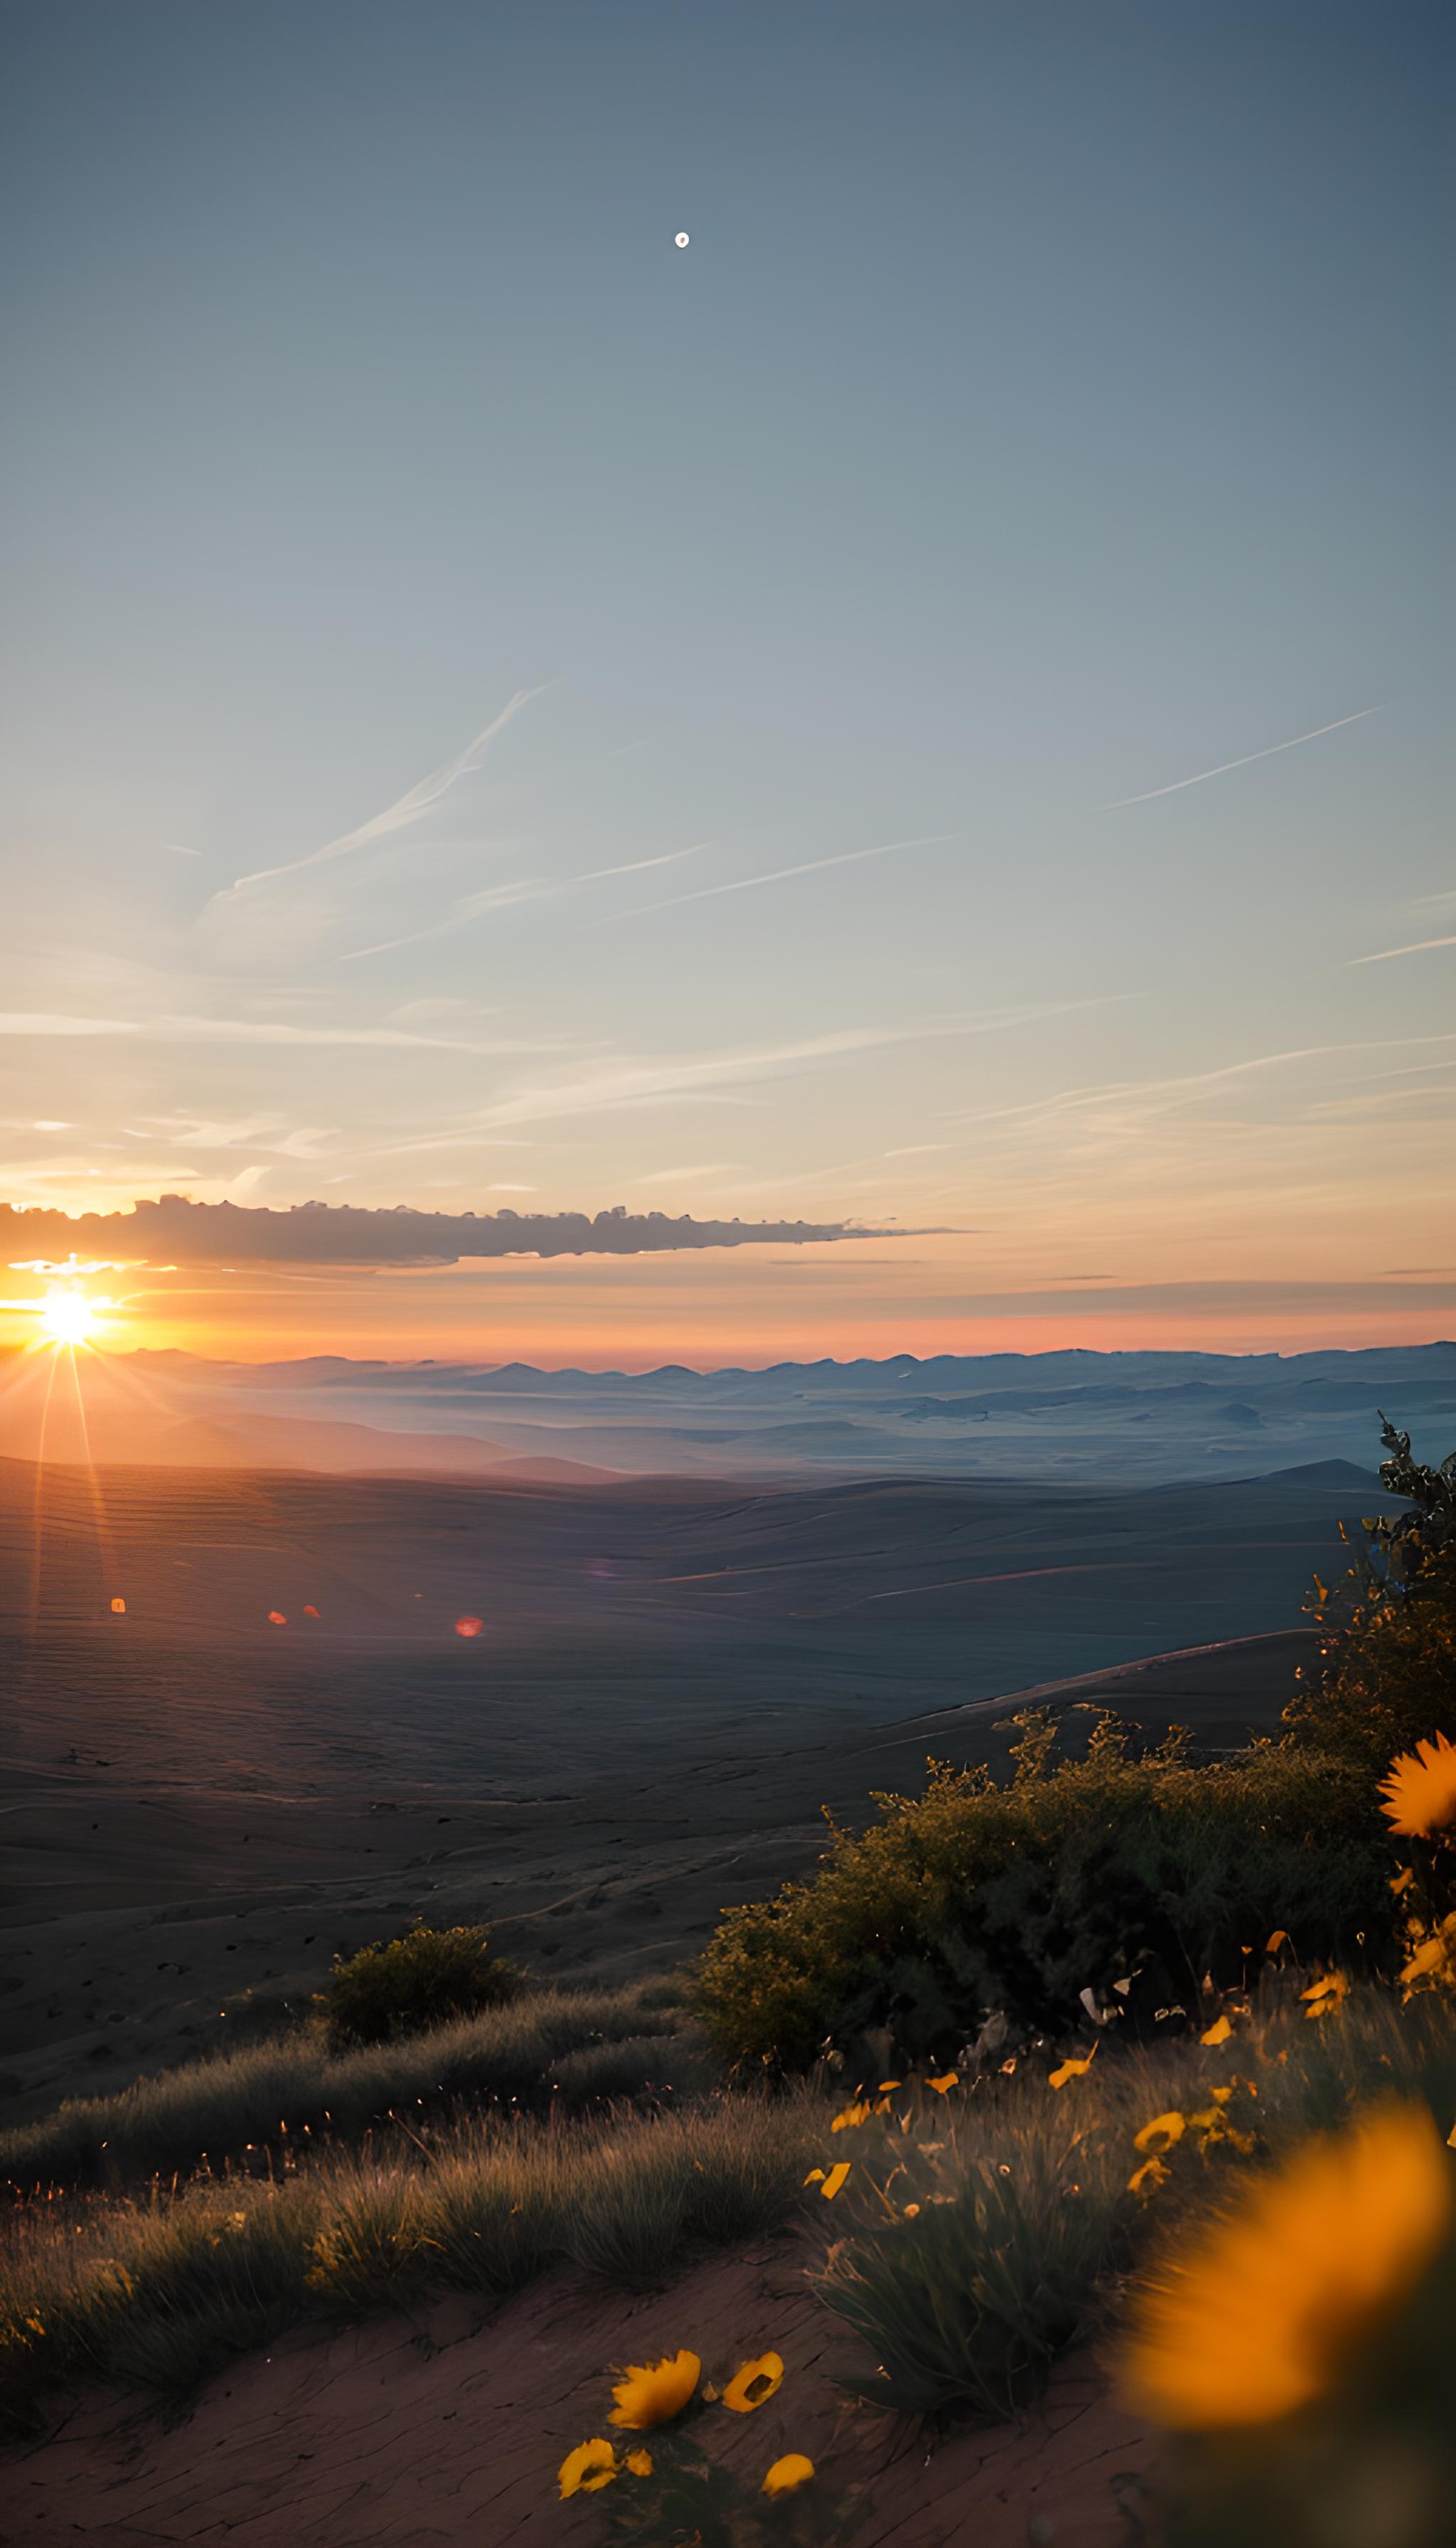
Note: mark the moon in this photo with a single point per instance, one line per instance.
(681, 241)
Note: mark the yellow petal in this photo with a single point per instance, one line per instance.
(1071, 2069)
(591, 2466)
(859, 2112)
(640, 2463)
(1146, 2178)
(885, 2086)
(1278, 1939)
(653, 2393)
(752, 2384)
(1159, 2134)
(1219, 2032)
(948, 2079)
(834, 2180)
(786, 2474)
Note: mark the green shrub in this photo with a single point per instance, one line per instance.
(1389, 1677)
(1075, 1877)
(402, 1985)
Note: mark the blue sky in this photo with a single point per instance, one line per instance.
(1050, 408)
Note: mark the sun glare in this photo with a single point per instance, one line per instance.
(67, 1318)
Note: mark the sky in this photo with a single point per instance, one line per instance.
(925, 709)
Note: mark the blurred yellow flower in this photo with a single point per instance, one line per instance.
(640, 2463)
(912, 2212)
(1260, 2313)
(1070, 2070)
(652, 2393)
(1218, 2033)
(1419, 1793)
(834, 2180)
(786, 2474)
(948, 2080)
(584, 2470)
(754, 2383)
(846, 2122)
(1325, 1995)
(1159, 2136)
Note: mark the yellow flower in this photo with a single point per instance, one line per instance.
(859, 2112)
(834, 2180)
(1420, 1794)
(1146, 2178)
(753, 2383)
(948, 2080)
(1070, 2070)
(640, 2463)
(584, 2470)
(912, 2212)
(1219, 2032)
(1260, 2313)
(653, 2393)
(1325, 1995)
(1159, 2136)
(786, 2474)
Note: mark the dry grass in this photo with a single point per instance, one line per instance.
(157, 2289)
(576, 2045)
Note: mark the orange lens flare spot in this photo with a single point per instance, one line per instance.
(276, 1619)
(118, 1605)
(308, 1611)
(469, 1627)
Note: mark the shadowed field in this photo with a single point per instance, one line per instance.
(669, 1680)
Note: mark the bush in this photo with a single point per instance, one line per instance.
(1076, 1878)
(402, 1985)
(1387, 1679)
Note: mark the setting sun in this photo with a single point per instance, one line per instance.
(67, 1318)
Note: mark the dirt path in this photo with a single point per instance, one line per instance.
(447, 2433)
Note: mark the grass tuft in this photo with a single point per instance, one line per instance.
(297, 2089)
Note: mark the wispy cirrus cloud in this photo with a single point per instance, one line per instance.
(45, 1024)
(780, 875)
(616, 1083)
(1418, 947)
(502, 897)
(1220, 767)
(405, 809)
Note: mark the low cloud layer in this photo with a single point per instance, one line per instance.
(174, 1231)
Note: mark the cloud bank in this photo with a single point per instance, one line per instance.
(175, 1230)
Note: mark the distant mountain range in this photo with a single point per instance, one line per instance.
(1075, 1415)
